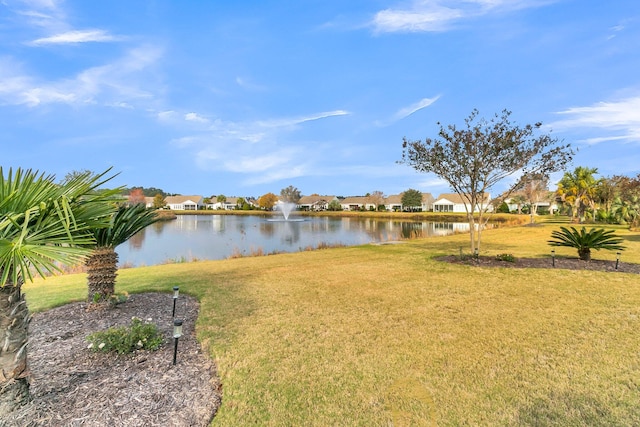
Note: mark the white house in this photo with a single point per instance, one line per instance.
(357, 203)
(394, 202)
(184, 203)
(546, 201)
(315, 202)
(148, 201)
(452, 202)
(427, 202)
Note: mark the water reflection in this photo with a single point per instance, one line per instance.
(220, 236)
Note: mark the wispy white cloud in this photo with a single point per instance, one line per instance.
(262, 151)
(441, 15)
(292, 121)
(195, 117)
(260, 163)
(260, 166)
(50, 17)
(614, 120)
(248, 85)
(76, 36)
(407, 111)
(433, 183)
(277, 174)
(166, 116)
(45, 15)
(108, 84)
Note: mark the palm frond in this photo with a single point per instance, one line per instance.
(584, 240)
(124, 223)
(43, 223)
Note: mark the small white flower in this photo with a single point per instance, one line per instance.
(101, 346)
(139, 344)
(90, 346)
(150, 320)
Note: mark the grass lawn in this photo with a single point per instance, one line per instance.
(381, 335)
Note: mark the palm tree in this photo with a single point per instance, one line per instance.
(584, 240)
(102, 264)
(627, 211)
(222, 200)
(42, 225)
(578, 189)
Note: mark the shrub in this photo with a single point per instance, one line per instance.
(584, 240)
(506, 257)
(139, 336)
(503, 208)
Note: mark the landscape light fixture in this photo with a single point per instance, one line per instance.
(177, 333)
(617, 259)
(176, 291)
(553, 257)
(475, 253)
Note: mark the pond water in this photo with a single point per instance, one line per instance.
(209, 237)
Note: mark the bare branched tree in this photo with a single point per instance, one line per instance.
(474, 158)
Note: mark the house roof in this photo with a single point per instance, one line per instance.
(310, 200)
(427, 197)
(455, 198)
(355, 200)
(394, 199)
(178, 200)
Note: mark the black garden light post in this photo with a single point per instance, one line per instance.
(176, 291)
(553, 257)
(177, 333)
(617, 259)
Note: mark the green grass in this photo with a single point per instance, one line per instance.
(384, 335)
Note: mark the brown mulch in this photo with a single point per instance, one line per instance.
(560, 263)
(73, 386)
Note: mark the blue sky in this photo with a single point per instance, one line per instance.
(248, 97)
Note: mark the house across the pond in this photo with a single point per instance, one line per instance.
(452, 202)
(184, 203)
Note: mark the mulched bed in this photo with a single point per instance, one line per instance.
(73, 386)
(561, 263)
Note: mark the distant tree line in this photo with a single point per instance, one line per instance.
(148, 191)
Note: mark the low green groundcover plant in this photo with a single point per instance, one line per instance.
(506, 257)
(139, 336)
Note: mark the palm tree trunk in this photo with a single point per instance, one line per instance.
(14, 324)
(102, 268)
(584, 254)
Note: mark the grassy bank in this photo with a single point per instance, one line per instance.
(509, 219)
(383, 334)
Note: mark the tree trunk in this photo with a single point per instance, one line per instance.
(584, 254)
(534, 210)
(14, 324)
(481, 223)
(472, 233)
(102, 268)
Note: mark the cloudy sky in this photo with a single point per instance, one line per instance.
(246, 97)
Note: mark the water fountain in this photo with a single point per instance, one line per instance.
(286, 208)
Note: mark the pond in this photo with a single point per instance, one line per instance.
(210, 237)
